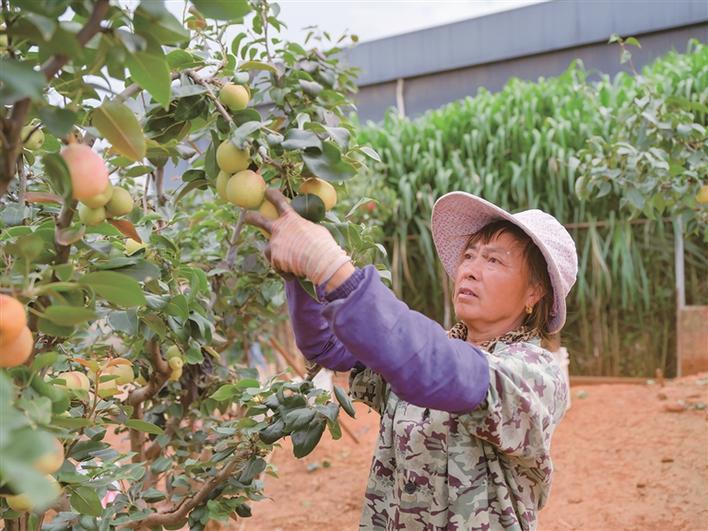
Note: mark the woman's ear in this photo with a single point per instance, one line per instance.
(534, 294)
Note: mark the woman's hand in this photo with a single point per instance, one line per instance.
(297, 245)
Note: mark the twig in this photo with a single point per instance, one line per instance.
(264, 20)
(159, 182)
(178, 514)
(146, 188)
(62, 222)
(193, 75)
(233, 247)
(23, 182)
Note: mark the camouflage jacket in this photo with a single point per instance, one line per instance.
(465, 432)
(487, 469)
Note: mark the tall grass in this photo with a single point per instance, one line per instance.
(515, 148)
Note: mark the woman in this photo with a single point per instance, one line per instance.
(466, 415)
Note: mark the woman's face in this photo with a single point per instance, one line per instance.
(492, 286)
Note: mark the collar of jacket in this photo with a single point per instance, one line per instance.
(519, 335)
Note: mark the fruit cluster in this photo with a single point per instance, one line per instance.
(99, 199)
(243, 187)
(176, 361)
(16, 339)
(46, 464)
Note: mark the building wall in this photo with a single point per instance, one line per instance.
(443, 64)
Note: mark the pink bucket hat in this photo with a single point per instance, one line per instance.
(458, 215)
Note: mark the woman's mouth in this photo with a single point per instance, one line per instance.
(466, 293)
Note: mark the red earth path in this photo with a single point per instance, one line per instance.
(626, 457)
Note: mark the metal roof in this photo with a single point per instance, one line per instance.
(525, 31)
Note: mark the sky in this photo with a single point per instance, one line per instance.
(375, 19)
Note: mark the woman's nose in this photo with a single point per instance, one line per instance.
(472, 267)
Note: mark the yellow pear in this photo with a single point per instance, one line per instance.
(246, 189)
(321, 189)
(230, 158)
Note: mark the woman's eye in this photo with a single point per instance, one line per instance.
(492, 260)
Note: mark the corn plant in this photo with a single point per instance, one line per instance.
(520, 149)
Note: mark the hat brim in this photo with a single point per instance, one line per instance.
(458, 215)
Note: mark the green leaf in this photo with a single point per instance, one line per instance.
(153, 495)
(49, 328)
(178, 59)
(272, 432)
(340, 135)
(344, 401)
(248, 383)
(28, 246)
(57, 120)
(152, 73)
(311, 88)
(304, 441)
(238, 138)
(124, 321)
(19, 81)
(299, 418)
(328, 164)
(226, 392)
(255, 466)
(22, 477)
(371, 153)
(309, 206)
(64, 315)
(72, 423)
(84, 500)
(116, 288)
(154, 20)
(257, 65)
(194, 355)
(222, 9)
(201, 184)
(334, 429)
(43, 360)
(46, 26)
(178, 307)
(117, 123)
(246, 115)
(144, 426)
(299, 139)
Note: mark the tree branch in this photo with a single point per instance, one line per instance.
(233, 248)
(159, 185)
(13, 126)
(178, 514)
(62, 222)
(136, 397)
(159, 376)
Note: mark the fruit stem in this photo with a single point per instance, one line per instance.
(192, 74)
(233, 248)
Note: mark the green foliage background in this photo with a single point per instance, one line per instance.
(557, 144)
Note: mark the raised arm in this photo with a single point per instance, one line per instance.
(412, 352)
(313, 334)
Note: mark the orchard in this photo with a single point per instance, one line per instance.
(129, 307)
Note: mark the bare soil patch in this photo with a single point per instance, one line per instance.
(626, 457)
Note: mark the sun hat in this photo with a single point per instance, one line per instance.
(458, 215)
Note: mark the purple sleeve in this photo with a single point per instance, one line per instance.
(313, 334)
(412, 352)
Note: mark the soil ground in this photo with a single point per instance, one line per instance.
(626, 457)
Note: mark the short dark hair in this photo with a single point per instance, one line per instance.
(536, 263)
